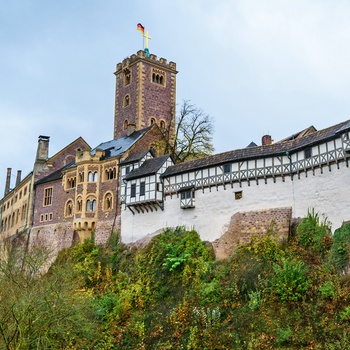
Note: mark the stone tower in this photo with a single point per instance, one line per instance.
(145, 94)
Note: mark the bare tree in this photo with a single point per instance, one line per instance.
(193, 134)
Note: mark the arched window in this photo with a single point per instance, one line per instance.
(152, 121)
(93, 205)
(92, 176)
(69, 208)
(162, 124)
(126, 123)
(126, 100)
(108, 201)
(79, 205)
(110, 173)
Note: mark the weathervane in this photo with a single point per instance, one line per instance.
(141, 28)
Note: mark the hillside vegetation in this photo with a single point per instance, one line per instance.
(172, 294)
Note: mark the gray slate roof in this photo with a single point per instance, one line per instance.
(56, 175)
(118, 146)
(279, 148)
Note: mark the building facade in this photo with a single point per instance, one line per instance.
(76, 192)
(259, 185)
(127, 184)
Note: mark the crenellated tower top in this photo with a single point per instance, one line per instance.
(145, 94)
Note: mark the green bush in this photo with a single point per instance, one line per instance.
(315, 233)
(327, 290)
(290, 281)
(339, 253)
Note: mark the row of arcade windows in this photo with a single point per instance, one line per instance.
(157, 78)
(151, 122)
(90, 205)
(46, 217)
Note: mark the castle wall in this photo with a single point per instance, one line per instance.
(327, 191)
(54, 236)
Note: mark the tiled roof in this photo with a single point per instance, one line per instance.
(117, 147)
(149, 167)
(278, 148)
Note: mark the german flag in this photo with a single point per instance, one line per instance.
(141, 28)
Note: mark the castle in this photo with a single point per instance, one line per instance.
(127, 184)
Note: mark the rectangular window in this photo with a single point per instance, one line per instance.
(48, 196)
(187, 199)
(307, 153)
(142, 188)
(227, 168)
(133, 190)
(238, 195)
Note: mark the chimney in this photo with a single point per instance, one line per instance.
(18, 178)
(43, 148)
(8, 181)
(266, 140)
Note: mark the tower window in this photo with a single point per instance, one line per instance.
(127, 76)
(126, 123)
(162, 124)
(158, 78)
(152, 121)
(126, 100)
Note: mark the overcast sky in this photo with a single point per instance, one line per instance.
(256, 66)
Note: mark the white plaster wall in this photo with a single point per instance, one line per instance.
(328, 193)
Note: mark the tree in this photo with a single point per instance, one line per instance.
(38, 309)
(193, 134)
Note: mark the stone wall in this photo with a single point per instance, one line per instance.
(244, 225)
(55, 237)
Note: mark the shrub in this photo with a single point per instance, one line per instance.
(328, 290)
(290, 281)
(314, 233)
(339, 253)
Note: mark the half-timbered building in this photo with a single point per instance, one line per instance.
(309, 169)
